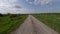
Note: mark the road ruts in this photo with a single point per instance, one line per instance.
(33, 26)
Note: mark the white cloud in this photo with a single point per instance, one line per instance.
(12, 1)
(45, 1)
(29, 2)
(42, 2)
(17, 11)
(6, 3)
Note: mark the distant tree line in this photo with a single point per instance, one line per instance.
(10, 15)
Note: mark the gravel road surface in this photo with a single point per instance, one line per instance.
(33, 26)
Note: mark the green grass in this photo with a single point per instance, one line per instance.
(52, 20)
(10, 22)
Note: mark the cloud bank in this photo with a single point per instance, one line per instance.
(6, 3)
(10, 6)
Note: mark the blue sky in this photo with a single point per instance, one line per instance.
(29, 6)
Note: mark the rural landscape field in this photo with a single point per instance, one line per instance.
(50, 19)
(29, 16)
(9, 22)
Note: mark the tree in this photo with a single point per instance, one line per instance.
(1, 15)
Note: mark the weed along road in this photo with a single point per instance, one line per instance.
(33, 26)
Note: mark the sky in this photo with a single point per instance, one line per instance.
(29, 6)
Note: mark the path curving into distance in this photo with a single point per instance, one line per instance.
(33, 26)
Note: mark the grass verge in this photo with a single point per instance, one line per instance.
(10, 22)
(50, 19)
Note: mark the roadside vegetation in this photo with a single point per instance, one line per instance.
(50, 19)
(9, 22)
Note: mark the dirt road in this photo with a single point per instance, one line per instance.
(33, 26)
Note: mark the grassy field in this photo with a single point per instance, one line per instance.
(52, 20)
(10, 22)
